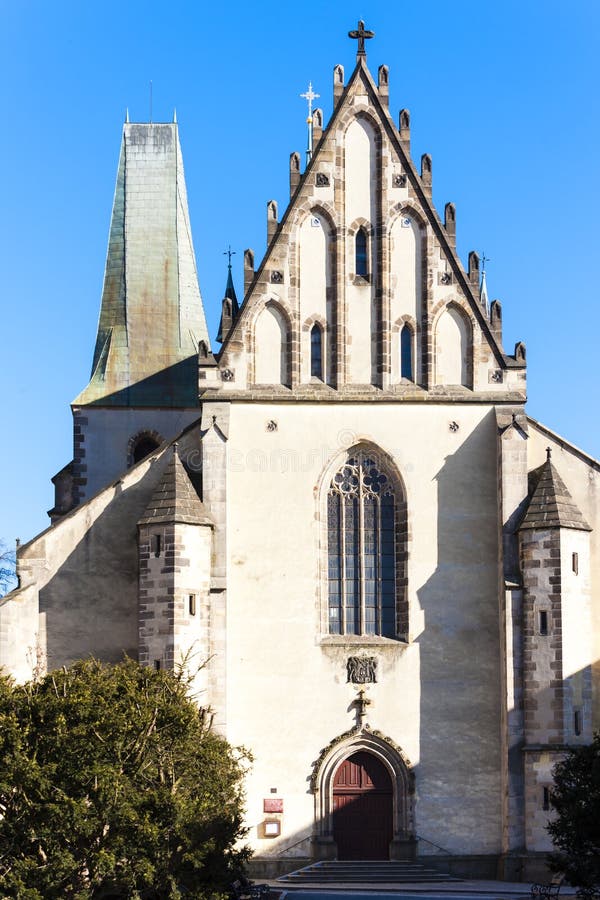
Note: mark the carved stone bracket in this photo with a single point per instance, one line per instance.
(496, 376)
(322, 180)
(399, 181)
(276, 277)
(445, 278)
(227, 375)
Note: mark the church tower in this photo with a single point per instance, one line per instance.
(143, 385)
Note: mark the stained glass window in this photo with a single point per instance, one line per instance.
(361, 528)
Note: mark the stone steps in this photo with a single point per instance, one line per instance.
(365, 872)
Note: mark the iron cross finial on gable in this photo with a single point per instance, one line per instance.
(361, 35)
(229, 253)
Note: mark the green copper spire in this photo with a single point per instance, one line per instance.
(151, 317)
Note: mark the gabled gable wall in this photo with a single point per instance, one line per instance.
(361, 177)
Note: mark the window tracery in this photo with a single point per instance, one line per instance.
(361, 529)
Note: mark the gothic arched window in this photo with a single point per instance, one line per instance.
(316, 352)
(361, 253)
(406, 353)
(362, 512)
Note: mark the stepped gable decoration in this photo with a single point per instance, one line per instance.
(302, 191)
(174, 498)
(551, 504)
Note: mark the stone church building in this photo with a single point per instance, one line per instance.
(392, 571)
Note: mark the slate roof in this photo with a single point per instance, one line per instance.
(551, 505)
(174, 498)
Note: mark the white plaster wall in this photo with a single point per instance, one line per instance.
(107, 434)
(577, 637)
(405, 283)
(22, 646)
(314, 280)
(360, 172)
(451, 343)
(191, 633)
(270, 342)
(438, 697)
(360, 203)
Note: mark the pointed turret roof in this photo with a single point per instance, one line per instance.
(151, 317)
(483, 292)
(551, 504)
(235, 307)
(174, 498)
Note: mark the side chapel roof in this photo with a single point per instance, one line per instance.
(174, 498)
(551, 504)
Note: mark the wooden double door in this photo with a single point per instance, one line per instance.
(363, 808)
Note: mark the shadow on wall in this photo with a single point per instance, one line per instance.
(174, 386)
(460, 714)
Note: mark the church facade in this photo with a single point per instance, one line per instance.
(389, 570)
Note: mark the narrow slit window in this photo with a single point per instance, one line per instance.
(316, 352)
(192, 604)
(406, 353)
(157, 665)
(575, 563)
(577, 722)
(362, 260)
(543, 621)
(546, 799)
(156, 544)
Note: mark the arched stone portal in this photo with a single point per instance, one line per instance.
(362, 756)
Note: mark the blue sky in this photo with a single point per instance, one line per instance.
(503, 96)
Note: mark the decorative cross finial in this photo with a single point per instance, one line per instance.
(361, 35)
(229, 253)
(484, 259)
(309, 96)
(361, 703)
(548, 453)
